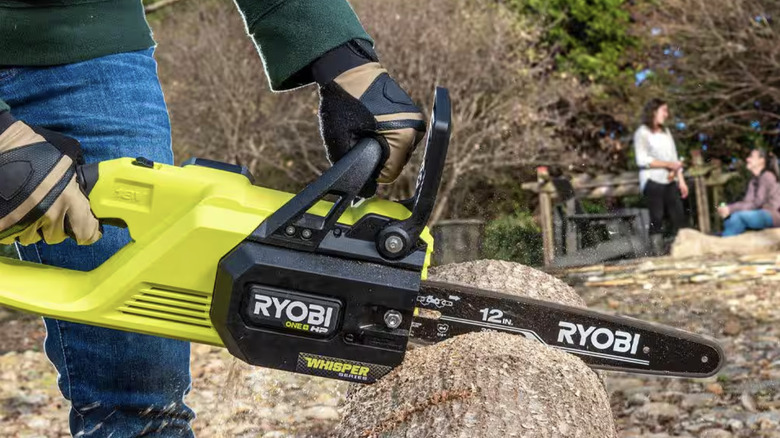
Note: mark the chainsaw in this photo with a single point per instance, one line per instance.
(327, 282)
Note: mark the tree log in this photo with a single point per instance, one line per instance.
(692, 243)
(486, 384)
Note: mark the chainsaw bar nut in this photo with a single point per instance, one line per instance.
(394, 244)
(393, 319)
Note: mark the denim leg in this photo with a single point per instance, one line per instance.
(120, 384)
(741, 221)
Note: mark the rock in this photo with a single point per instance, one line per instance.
(658, 412)
(692, 243)
(645, 389)
(699, 400)
(747, 402)
(321, 413)
(638, 400)
(763, 419)
(486, 383)
(715, 433)
(616, 383)
(634, 432)
(732, 327)
(735, 425)
(715, 388)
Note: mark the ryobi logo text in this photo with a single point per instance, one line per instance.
(293, 310)
(600, 338)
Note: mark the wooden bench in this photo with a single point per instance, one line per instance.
(703, 178)
(575, 223)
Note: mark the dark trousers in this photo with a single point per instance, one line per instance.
(664, 202)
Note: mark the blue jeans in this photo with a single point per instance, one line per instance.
(120, 384)
(740, 221)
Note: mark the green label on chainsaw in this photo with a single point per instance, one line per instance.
(335, 368)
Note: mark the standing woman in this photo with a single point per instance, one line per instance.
(661, 180)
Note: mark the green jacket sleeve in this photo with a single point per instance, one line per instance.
(4, 106)
(290, 34)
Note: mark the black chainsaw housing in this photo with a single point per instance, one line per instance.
(304, 293)
(364, 291)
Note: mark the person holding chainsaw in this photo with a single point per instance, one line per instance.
(78, 84)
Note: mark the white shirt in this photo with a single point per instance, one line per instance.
(650, 146)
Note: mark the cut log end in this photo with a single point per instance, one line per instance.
(690, 243)
(510, 278)
(486, 384)
(483, 385)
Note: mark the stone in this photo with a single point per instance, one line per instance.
(735, 425)
(763, 419)
(732, 327)
(638, 400)
(321, 413)
(715, 433)
(697, 400)
(658, 412)
(715, 388)
(747, 402)
(622, 384)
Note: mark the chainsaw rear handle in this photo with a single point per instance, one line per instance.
(87, 177)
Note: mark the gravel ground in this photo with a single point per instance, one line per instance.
(742, 314)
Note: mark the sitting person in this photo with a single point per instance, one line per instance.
(760, 207)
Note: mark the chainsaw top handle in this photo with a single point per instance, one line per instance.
(349, 177)
(399, 237)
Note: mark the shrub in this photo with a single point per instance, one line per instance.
(515, 238)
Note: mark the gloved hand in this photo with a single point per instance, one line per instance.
(359, 98)
(39, 195)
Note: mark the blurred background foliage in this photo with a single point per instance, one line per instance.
(558, 83)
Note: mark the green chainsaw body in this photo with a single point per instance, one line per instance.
(182, 221)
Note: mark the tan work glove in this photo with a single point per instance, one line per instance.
(39, 195)
(358, 98)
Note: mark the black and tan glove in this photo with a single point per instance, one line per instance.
(359, 98)
(39, 195)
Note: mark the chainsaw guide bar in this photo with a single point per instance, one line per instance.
(602, 341)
